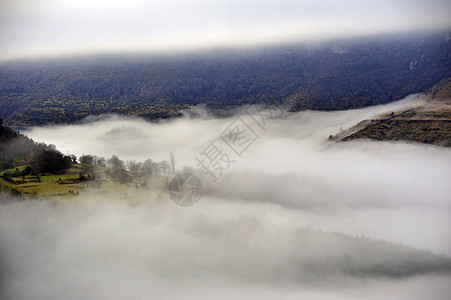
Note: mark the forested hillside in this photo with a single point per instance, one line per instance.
(30, 169)
(17, 149)
(329, 76)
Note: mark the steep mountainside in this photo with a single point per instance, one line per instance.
(428, 122)
(329, 76)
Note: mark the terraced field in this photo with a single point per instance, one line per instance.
(428, 122)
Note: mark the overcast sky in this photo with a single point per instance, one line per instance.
(48, 27)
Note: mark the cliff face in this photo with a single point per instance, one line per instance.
(429, 122)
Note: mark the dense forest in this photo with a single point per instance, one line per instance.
(326, 76)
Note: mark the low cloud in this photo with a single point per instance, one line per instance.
(294, 216)
(47, 27)
(94, 249)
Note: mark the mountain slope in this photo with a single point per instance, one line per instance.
(429, 121)
(329, 76)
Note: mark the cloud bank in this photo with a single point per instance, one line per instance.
(294, 216)
(49, 27)
(111, 250)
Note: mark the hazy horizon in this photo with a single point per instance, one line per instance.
(53, 28)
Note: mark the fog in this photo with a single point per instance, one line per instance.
(295, 215)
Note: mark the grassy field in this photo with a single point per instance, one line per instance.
(69, 185)
(49, 186)
(20, 168)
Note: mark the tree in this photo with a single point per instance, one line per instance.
(7, 176)
(172, 159)
(118, 169)
(87, 159)
(28, 170)
(99, 161)
(52, 161)
(165, 167)
(116, 163)
(81, 177)
(147, 167)
(123, 177)
(134, 166)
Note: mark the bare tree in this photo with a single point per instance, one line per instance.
(134, 166)
(147, 167)
(87, 159)
(116, 163)
(165, 168)
(172, 162)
